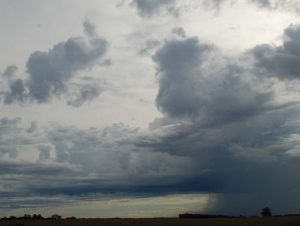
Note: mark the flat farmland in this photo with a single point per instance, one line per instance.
(253, 221)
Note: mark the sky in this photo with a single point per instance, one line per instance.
(149, 108)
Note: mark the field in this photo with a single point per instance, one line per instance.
(253, 221)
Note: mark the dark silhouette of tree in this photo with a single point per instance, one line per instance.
(71, 218)
(37, 216)
(56, 217)
(266, 212)
(27, 216)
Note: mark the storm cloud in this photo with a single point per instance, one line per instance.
(281, 61)
(219, 112)
(195, 87)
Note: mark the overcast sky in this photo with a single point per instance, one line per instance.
(142, 108)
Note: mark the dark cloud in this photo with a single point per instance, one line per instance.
(262, 3)
(89, 28)
(65, 161)
(280, 61)
(179, 31)
(219, 112)
(50, 73)
(17, 92)
(188, 54)
(97, 151)
(289, 5)
(29, 169)
(286, 5)
(148, 8)
(188, 89)
(10, 71)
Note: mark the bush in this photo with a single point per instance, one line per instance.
(266, 212)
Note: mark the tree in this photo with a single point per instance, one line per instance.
(266, 212)
(27, 216)
(56, 217)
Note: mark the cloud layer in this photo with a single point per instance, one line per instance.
(148, 8)
(228, 123)
(222, 132)
(85, 164)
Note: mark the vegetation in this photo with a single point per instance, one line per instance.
(187, 219)
(266, 212)
(237, 221)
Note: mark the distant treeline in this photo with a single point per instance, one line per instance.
(36, 217)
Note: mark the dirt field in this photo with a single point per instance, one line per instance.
(274, 221)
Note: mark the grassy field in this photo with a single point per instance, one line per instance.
(272, 221)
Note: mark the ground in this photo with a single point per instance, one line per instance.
(253, 221)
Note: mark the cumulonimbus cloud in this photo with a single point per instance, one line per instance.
(223, 113)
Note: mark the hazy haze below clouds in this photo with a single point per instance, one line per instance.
(157, 101)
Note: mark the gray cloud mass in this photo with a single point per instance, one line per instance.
(179, 31)
(190, 87)
(220, 113)
(148, 8)
(81, 163)
(281, 61)
(10, 71)
(50, 72)
(16, 93)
